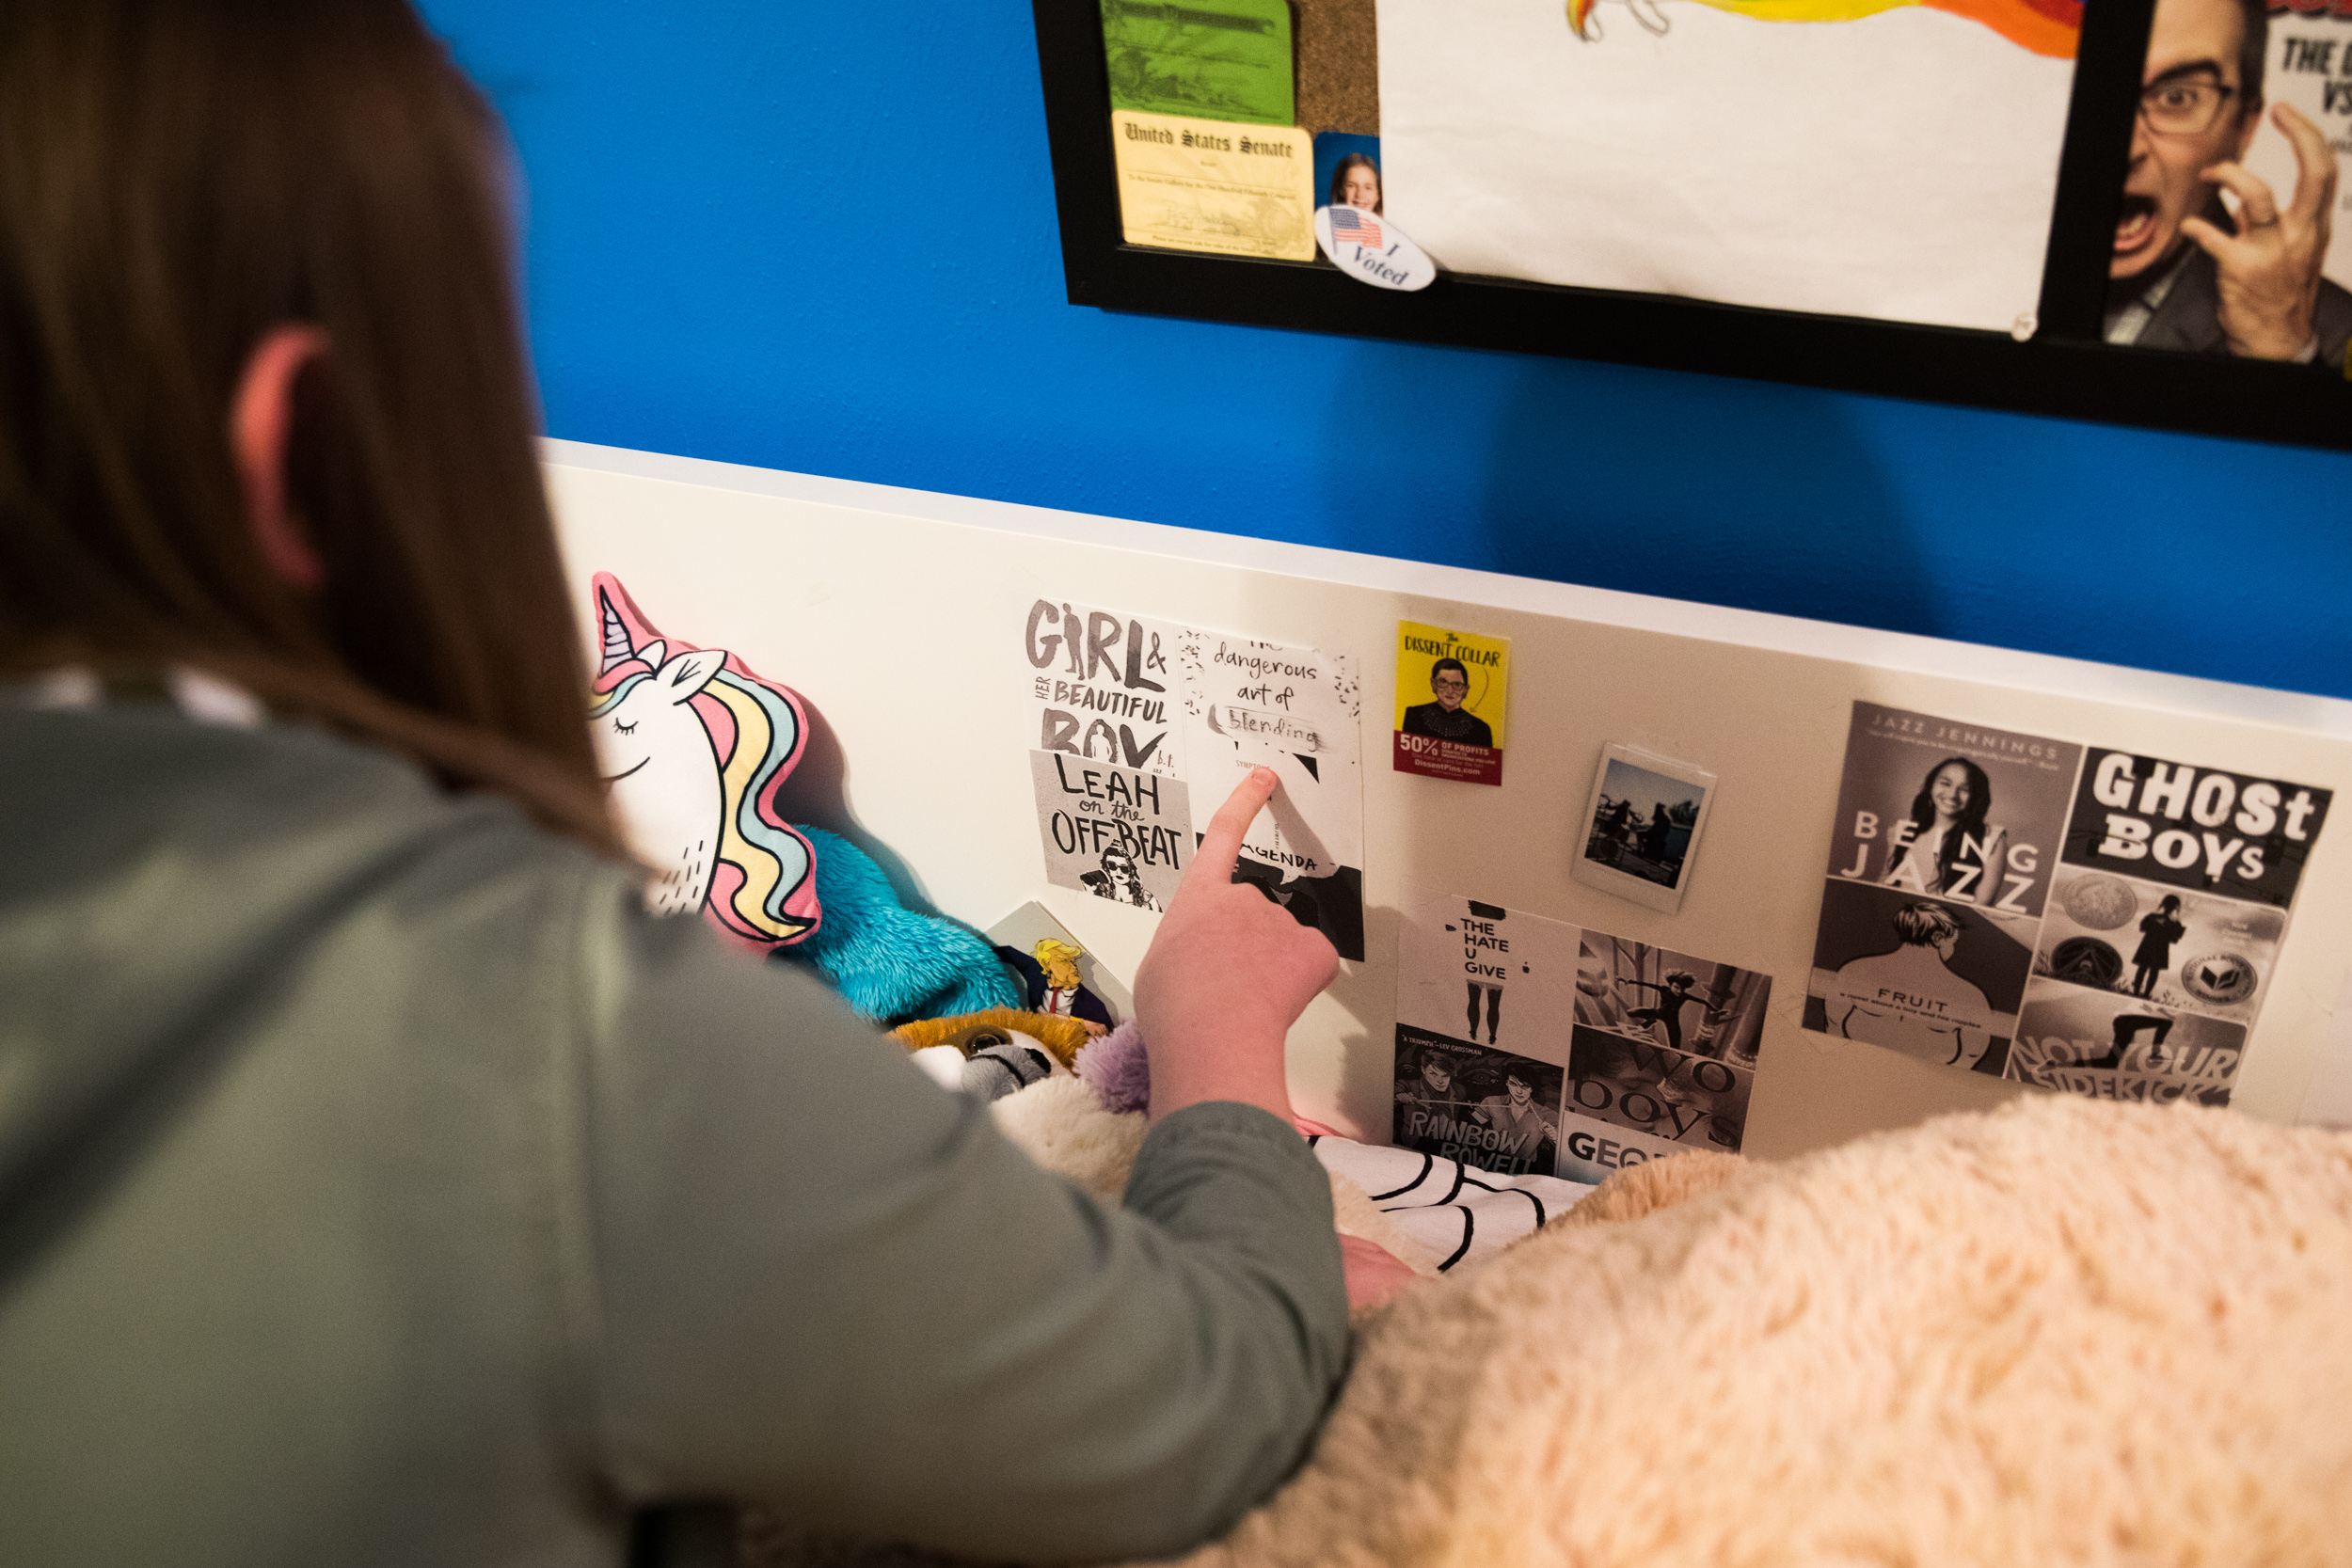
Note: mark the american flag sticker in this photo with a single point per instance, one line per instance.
(1348, 224)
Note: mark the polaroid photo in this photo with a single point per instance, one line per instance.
(1642, 827)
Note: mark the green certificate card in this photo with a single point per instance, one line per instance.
(1206, 60)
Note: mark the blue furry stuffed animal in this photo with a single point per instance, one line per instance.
(888, 963)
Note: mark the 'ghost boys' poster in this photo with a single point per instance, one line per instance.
(1531, 1045)
(2164, 929)
(2075, 917)
(1117, 701)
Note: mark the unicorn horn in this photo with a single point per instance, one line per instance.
(616, 646)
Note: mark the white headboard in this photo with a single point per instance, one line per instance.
(887, 610)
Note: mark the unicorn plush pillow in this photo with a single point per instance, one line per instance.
(694, 746)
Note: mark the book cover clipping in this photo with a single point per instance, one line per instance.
(1451, 688)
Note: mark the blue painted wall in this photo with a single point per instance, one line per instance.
(821, 237)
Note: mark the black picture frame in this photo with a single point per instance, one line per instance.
(2063, 371)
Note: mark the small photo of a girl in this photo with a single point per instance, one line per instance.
(1949, 849)
(1347, 171)
(1953, 809)
(1356, 182)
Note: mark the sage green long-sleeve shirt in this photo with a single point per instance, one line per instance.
(379, 1184)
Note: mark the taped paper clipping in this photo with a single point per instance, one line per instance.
(1117, 833)
(2262, 96)
(1296, 710)
(2075, 917)
(1452, 689)
(1212, 59)
(1527, 1045)
(1131, 721)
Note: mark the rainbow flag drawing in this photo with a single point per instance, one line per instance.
(2044, 26)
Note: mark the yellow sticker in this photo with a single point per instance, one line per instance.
(1211, 185)
(1450, 692)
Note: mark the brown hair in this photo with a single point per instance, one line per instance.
(1338, 178)
(178, 177)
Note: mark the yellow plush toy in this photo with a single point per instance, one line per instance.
(993, 1053)
(1060, 1036)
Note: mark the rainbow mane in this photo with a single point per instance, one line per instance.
(758, 851)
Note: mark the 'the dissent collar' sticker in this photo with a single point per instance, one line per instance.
(1372, 249)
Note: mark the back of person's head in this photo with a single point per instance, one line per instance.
(178, 178)
(1925, 924)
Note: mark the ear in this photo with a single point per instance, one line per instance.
(613, 644)
(261, 417)
(690, 672)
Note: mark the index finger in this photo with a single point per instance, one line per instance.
(1220, 845)
(2220, 246)
(2314, 161)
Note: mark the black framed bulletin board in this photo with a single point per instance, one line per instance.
(1515, 191)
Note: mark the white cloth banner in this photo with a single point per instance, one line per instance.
(1462, 1214)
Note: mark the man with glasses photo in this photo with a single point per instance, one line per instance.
(1444, 719)
(2187, 274)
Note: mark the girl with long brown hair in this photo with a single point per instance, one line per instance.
(378, 1182)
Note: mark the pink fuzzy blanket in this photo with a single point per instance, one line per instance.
(2065, 1332)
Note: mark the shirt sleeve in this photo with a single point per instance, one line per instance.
(826, 1286)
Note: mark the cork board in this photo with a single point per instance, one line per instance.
(1338, 65)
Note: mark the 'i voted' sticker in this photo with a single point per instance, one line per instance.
(1373, 250)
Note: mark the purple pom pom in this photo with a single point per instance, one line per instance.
(1117, 1070)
